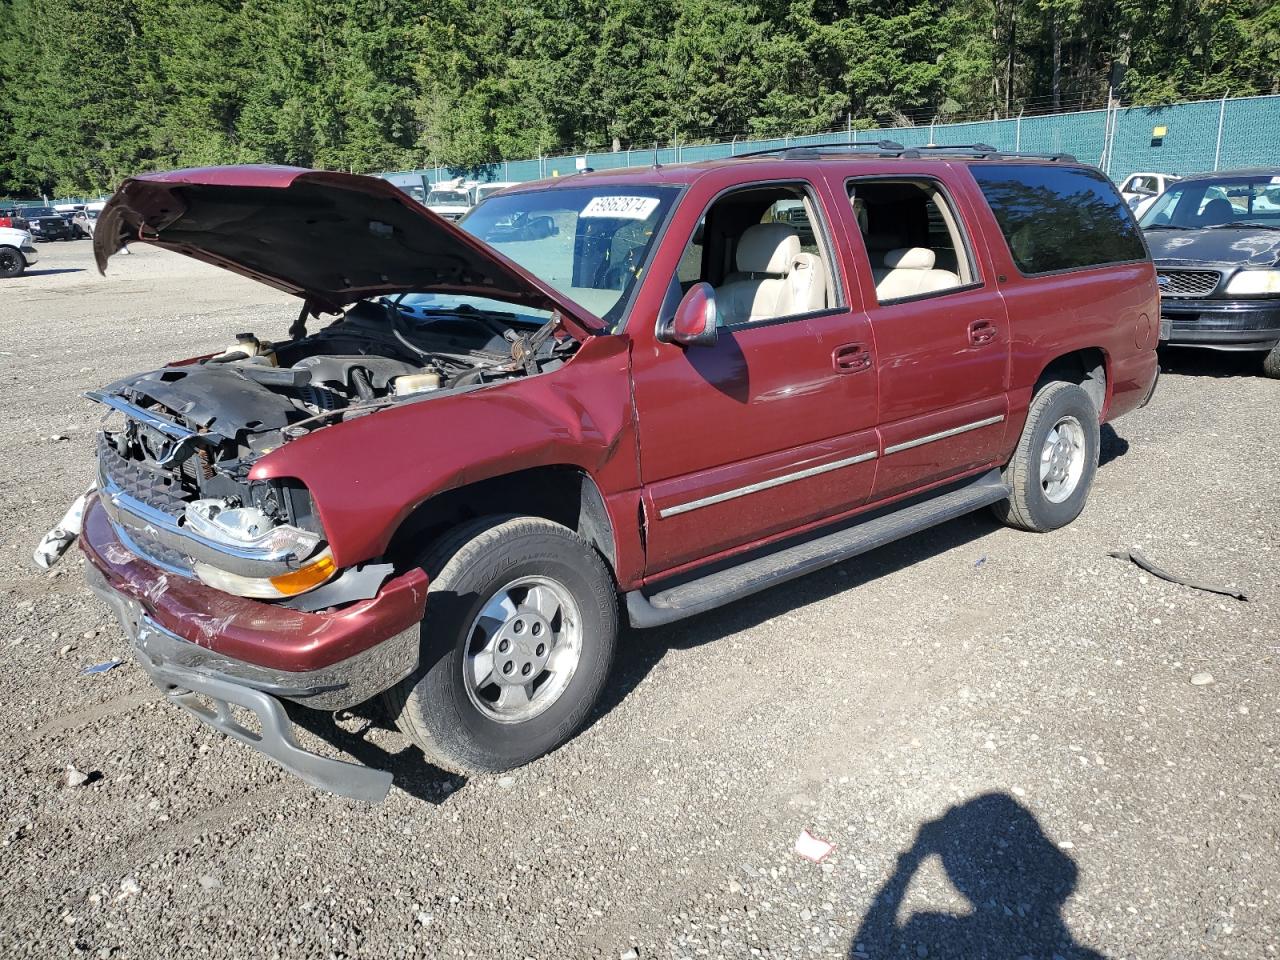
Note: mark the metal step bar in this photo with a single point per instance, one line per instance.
(796, 559)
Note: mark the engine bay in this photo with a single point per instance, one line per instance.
(198, 427)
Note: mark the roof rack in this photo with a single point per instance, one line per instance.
(983, 151)
(890, 148)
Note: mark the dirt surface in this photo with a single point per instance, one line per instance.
(998, 731)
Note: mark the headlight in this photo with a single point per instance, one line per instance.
(314, 572)
(249, 530)
(249, 534)
(1255, 282)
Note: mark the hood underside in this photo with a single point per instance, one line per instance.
(330, 238)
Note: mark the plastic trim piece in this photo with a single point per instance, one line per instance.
(943, 434)
(765, 484)
(186, 688)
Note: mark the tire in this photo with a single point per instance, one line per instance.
(1048, 495)
(12, 263)
(466, 727)
(1271, 362)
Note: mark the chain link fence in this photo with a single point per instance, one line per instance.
(1180, 138)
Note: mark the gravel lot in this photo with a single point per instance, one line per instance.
(998, 731)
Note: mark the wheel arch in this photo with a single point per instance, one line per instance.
(562, 493)
(1087, 367)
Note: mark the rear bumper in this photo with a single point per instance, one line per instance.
(30, 253)
(1221, 324)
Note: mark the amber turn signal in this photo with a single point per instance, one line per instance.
(306, 577)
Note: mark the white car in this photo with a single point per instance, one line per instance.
(1141, 189)
(17, 252)
(482, 190)
(451, 201)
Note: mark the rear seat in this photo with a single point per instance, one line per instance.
(908, 272)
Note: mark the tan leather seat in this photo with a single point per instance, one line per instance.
(909, 272)
(774, 278)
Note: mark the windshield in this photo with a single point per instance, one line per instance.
(590, 243)
(32, 213)
(1217, 202)
(448, 198)
(435, 304)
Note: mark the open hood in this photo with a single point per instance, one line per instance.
(330, 238)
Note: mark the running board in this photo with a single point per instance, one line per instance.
(787, 563)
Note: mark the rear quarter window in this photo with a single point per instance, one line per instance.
(1059, 218)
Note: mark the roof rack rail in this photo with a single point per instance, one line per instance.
(984, 151)
(891, 148)
(808, 149)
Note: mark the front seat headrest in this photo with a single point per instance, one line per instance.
(768, 248)
(910, 258)
(1218, 210)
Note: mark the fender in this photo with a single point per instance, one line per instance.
(367, 474)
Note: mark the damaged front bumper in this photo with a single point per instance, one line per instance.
(198, 644)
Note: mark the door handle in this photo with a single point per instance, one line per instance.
(851, 358)
(982, 332)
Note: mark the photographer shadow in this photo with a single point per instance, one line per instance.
(1015, 879)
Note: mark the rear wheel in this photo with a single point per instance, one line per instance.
(1053, 467)
(517, 641)
(1271, 362)
(11, 262)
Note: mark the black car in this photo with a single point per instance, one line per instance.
(1215, 238)
(45, 223)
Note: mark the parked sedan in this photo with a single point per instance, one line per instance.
(1215, 238)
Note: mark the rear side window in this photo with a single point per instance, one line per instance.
(1059, 218)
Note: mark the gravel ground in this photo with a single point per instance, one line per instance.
(999, 732)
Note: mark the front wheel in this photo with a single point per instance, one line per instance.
(1053, 468)
(517, 640)
(11, 262)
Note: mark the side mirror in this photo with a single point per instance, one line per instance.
(694, 322)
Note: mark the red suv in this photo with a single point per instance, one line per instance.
(637, 394)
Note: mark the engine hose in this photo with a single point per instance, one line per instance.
(361, 381)
(468, 378)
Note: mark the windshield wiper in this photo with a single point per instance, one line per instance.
(1244, 225)
(469, 310)
(1165, 226)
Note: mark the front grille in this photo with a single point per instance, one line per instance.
(154, 488)
(150, 485)
(152, 550)
(1188, 283)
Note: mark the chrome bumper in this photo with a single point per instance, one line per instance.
(189, 675)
